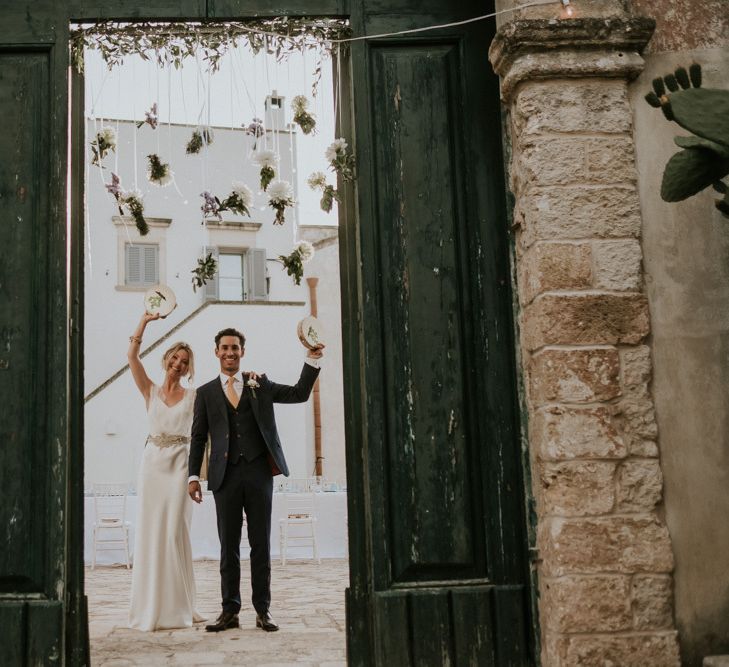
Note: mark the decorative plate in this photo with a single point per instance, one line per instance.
(310, 332)
(160, 299)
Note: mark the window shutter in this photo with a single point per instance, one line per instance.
(132, 272)
(256, 277)
(211, 286)
(150, 268)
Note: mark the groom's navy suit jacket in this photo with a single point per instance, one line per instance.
(211, 416)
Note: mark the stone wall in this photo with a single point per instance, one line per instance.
(605, 557)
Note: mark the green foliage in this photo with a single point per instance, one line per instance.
(293, 265)
(199, 138)
(704, 160)
(204, 271)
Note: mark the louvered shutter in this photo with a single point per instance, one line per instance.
(256, 270)
(150, 265)
(211, 286)
(132, 271)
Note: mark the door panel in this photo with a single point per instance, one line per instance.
(33, 333)
(440, 576)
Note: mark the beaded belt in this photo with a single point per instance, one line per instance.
(165, 440)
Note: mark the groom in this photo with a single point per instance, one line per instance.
(236, 410)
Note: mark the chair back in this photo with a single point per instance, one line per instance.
(110, 504)
(301, 505)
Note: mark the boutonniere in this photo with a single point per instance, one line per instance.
(252, 386)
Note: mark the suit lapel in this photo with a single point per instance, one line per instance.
(219, 399)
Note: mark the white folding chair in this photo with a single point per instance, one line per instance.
(301, 517)
(111, 529)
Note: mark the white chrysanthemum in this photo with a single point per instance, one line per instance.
(164, 180)
(306, 251)
(128, 195)
(265, 158)
(336, 148)
(299, 103)
(317, 180)
(280, 191)
(243, 192)
(108, 134)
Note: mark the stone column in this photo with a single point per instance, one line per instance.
(604, 554)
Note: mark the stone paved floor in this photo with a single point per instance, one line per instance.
(307, 602)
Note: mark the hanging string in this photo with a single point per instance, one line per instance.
(134, 119)
(292, 136)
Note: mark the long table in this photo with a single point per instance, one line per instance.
(331, 529)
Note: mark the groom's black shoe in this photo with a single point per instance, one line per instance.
(266, 622)
(226, 620)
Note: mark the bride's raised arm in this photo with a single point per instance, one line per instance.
(141, 379)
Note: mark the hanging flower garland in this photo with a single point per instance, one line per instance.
(280, 197)
(341, 161)
(318, 181)
(237, 201)
(254, 129)
(266, 160)
(302, 117)
(158, 172)
(130, 201)
(294, 262)
(150, 118)
(202, 136)
(205, 270)
(104, 142)
(172, 43)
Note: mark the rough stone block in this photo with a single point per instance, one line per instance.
(652, 602)
(635, 365)
(640, 485)
(616, 544)
(635, 417)
(658, 649)
(585, 319)
(610, 160)
(578, 212)
(572, 106)
(554, 266)
(574, 376)
(586, 603)
(559, 433)
(577, 488)
(618, 265)
(550, 161)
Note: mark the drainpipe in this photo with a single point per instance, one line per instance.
(318, 458)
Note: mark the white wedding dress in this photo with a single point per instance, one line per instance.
(163, 586)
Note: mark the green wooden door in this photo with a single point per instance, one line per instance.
(437, 548)
(438, 573)
(33, 325)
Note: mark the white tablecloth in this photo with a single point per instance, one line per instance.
(331, 530)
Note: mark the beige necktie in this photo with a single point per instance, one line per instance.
(230, 392)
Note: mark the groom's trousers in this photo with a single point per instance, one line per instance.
(247, 486)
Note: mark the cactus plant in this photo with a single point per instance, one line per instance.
(704, 160)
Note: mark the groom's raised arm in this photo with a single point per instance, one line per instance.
(298, 393)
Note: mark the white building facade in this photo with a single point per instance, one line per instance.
(250, 292)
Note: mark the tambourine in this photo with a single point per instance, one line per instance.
(310, 332)
(160, 299)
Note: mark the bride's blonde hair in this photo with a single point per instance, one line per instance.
(176, 348)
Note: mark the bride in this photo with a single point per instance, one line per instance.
(163, 587)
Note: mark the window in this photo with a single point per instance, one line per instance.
(241, 275)
(141, 264)
(231, 281)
